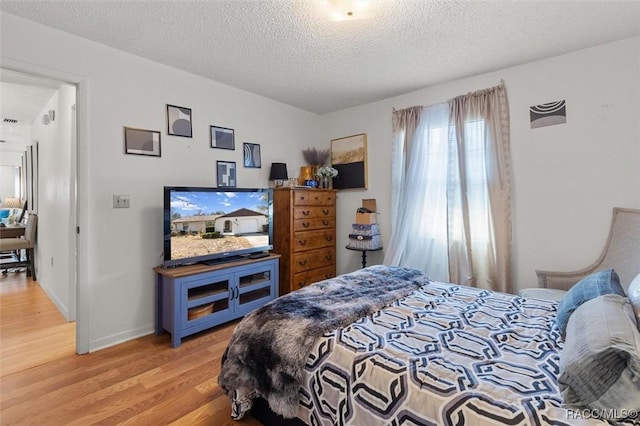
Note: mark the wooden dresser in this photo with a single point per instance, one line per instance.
(304, 235)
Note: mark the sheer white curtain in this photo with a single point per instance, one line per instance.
(419, 198)
(451, 212)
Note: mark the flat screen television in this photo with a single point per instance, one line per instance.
(211, 225)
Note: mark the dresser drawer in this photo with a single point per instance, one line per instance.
(326, 222)
(305, 212)
(328, 198)
(325, 212)
(309, 212)
(311, 224)
(302, 198)
(304, 225)
(309, 240)
(313, 259)
(314, 198)
(305, 278)
(322, 198)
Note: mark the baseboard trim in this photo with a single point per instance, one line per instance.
(125, 336)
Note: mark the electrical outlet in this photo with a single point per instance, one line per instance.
(120, 201)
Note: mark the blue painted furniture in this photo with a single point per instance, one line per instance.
(196, 297)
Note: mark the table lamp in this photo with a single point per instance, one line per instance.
(278, 173)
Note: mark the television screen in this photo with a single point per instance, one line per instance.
(213, 224)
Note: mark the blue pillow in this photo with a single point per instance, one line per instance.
(590, 287)
(4, 213)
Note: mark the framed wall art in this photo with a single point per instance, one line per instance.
(226, 171)
(178, 121)
(548, 114)
(349, 158)
(252, 155)
(222, 137)
(141, 142)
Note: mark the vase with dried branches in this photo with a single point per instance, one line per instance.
(315, 158)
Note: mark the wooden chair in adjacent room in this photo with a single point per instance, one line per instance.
(16, 245)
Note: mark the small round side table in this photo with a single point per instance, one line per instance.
(364, 253)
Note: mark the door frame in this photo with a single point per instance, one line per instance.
(78, 175)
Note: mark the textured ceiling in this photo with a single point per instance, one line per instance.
(292, 52)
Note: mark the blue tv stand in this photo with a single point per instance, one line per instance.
(193, 298)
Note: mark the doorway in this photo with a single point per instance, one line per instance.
(42, 112)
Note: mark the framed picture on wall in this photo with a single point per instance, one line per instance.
(349, 158)
(548, 114)
(226, 171)
(141, 142)
(222, 137)
(252, 155)
(178, 121)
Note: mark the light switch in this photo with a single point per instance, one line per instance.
(120, 201)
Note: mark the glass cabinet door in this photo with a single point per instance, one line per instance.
(205, 299)
(255, 287)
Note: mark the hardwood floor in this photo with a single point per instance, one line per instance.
(140, 382)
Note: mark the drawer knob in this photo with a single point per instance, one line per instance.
(302, 262)
(325, 222)
(305, 224)
(325, 212)
(328, 238)
(328, 257)
(302, 242)
(305, 212)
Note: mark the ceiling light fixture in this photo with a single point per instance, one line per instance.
(347, 10)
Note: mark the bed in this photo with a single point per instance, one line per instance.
(389, 346)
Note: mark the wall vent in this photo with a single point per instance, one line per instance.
(10, 121)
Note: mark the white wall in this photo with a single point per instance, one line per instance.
(8, 182)
(9, 169)
(10, 158)
(119, 247)
(566, 178)
(55, 191)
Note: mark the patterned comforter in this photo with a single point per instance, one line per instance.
(444, 355)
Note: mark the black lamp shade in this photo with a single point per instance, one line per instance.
(278, 171)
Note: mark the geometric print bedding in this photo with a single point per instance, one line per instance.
(444, 355)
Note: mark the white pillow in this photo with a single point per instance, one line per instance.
(633, 294)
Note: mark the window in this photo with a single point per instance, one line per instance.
(440, 155)
(451, 214)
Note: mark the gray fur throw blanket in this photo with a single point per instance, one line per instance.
(269, 348)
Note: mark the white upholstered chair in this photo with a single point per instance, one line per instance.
(621, 252)
(27, 243)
